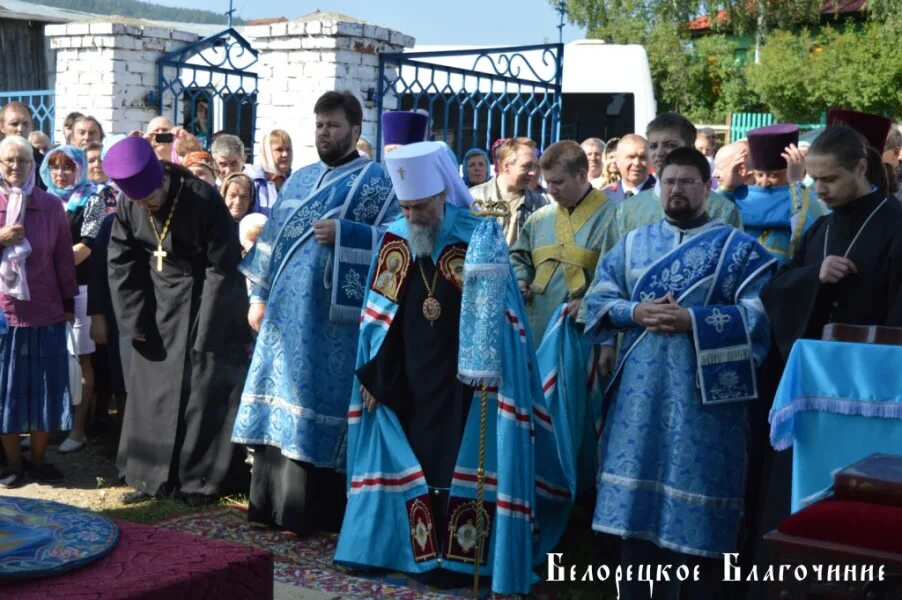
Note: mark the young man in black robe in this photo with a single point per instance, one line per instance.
(177, 294)
(848, 266)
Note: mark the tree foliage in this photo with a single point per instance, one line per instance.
(802, 74)
(706, 77)
(140, 10)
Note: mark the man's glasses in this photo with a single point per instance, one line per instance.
(683, 181)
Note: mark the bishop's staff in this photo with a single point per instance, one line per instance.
(486, 271)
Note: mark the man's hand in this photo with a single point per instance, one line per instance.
(12, 235)
(99, 330)
(664, 315)
(324, 232)
(646, 313)
(795, 164)
(525, 291)
(573, 308)
(835, 268)
(606, 357)
(368, 400)
(255, 315)
(69, 318)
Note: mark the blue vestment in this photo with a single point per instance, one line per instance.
(296, 394)
(777, 215)
(673, 448)
(388, 522)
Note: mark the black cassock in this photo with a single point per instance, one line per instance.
(186, 376)
(799, 306)
(415, 374)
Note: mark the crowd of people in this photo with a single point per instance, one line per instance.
(321, 338)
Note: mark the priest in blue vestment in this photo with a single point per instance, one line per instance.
(777, 209)
(684, 294)
(308, 278)
(447, 392)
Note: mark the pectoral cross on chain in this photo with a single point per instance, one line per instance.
(401, 173)
(160, 254)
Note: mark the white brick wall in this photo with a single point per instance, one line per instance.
(300, 60)
(107, 69)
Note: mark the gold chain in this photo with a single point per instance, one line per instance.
(153, 223)
(480, 489)
(429, 290)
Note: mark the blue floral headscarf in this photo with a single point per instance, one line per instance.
(488, 163)
(76, 195)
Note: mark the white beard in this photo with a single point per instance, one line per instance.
(422, 238)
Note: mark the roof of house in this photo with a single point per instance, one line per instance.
(831, 7)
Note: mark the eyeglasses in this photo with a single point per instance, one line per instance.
(12, 162)
(683, 181)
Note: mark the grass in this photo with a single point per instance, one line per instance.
(160, 509)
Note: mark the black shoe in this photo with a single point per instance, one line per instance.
(44, 472)
(10, 479)
(197, 500)
(135, 497)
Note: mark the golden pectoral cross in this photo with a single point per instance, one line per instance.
(160, 254)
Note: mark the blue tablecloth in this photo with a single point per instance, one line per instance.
(837, 403)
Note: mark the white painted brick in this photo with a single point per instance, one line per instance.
(296, 28)
(259, 32)
(134, 30)
(54, 30)
(314, 28)
(276, 59)
(304, 57)
(286, 43)
(279, 30)
(60, 42)
(381, 34)
(369, 60)
(349, 29)
(107, 41)
(101, 28)
(142, 66)
(78, 29)
(153, 44)
(184, 36)
(347, 57)
(157, 32)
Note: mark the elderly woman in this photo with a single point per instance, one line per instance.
(201, 166)
(238, 192)
(104, 188)
(65, 172)
(37, 291)
(272, 171)
(476, 167)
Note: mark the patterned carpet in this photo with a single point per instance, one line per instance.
(307, 563)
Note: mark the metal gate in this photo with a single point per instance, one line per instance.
(475, 96)
(211, 86)
(41, 103)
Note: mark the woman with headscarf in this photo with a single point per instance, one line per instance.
(476, 167)
(65, 172)
(37, 291)
(272, 171)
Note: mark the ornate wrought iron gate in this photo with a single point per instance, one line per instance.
(475, 96)
(210, 86)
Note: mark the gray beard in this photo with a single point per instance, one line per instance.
(422, 238)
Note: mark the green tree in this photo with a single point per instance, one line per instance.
(802, 74)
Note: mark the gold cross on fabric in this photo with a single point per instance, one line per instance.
(401, 173)
(160, 254)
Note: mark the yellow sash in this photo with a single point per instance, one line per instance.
(575, 258)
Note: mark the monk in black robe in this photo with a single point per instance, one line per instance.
(848, 266)
(182, 302)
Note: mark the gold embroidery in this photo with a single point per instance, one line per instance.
(391, 269)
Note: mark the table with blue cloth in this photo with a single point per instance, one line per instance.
(837, 403)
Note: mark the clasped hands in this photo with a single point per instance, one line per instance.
(663, 315)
